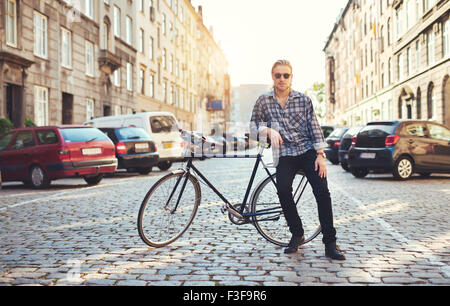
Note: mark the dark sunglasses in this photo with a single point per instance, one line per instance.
(279, 75)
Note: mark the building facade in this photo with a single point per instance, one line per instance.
(388, 60)
(180, 68)
(65, 61)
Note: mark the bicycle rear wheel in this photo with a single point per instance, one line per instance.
(267, 214)
(168, 209)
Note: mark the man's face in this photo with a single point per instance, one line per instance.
(279, 77)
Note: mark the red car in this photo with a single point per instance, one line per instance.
(39, 155)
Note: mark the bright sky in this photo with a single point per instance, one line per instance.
(256, 33)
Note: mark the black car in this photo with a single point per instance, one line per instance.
(334, 141)
(135, 150)
(346, 142)
(327, 130)
(401, 147)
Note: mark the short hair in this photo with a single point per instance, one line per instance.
(281, 63)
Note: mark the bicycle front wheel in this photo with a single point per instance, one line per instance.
(168, 209)
(268, 217)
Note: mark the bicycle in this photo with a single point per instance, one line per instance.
(171, 204)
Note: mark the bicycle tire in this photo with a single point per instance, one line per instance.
(156, 225)
(272, 225)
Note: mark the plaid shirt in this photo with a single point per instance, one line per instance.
(297, 123)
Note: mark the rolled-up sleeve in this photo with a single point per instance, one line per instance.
(314, 129)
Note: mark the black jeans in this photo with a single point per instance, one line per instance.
(286, 170)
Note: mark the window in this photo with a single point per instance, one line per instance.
(439, 132)
(417, 130)
(391, 71)
(40, 105)
(428, 4)
(129, 29)
(389, 31)
(66, 48)
(116, 21)
(89, 8)
(430, 48)
(417, 55)
(152, 86)
(141, 41)
(150, 48)
(400, 65)
(4, 140)
(105, 36)
(164, 61)
(23, 140)
(129, 77)
(446, 39)
(408, 60)
(40, 35)
(89, 58)
(430, 101)
(116, 77)
(11, 23)
(90, 109)
(46, 137)
(142, 81)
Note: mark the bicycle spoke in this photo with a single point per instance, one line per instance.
(159, 222)
(268, 216)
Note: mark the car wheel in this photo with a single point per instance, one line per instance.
(345, 166)
(38, 178)
(145, 171)
(360, 172)
(164, 165)
(404, 168)
(93, 180)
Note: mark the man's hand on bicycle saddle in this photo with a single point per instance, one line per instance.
(274, 137)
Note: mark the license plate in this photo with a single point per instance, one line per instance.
(168, 145)
(92, 151)
(368, 155)
(141, 146)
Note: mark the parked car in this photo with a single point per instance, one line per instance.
(194, 142)
(401, 147)
(162, 128)
(327, 130)
(346, 142)
(135, 150)
(39, 155)
(334, 141)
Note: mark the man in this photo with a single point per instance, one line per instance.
(287, 118)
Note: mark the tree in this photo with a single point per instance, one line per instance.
(317, 95)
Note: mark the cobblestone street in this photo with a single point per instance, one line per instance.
(393, 233)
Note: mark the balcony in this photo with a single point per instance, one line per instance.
(108, 62)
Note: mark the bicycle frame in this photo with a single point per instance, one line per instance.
(243, 205)
(190, 166)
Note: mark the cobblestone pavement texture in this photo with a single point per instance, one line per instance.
(393, 233)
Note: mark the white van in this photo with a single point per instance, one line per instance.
(161, 126)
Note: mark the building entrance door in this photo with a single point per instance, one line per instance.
(14, 105)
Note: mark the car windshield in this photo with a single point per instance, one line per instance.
(378, 130)
(327, 131)
(338, 132)
(131, 133)
(161, 124)
(4, 141)
(83, 135)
